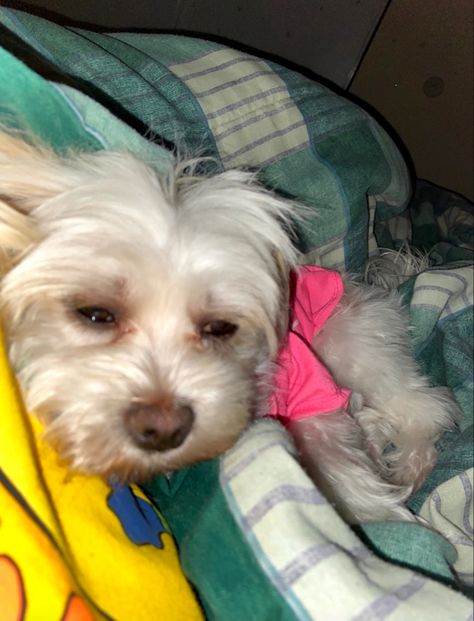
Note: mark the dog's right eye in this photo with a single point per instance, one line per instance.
(218, 329)
(96, 315)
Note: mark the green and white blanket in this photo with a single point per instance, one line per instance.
(256, 538)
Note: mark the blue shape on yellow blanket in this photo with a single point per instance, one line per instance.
(139, 519)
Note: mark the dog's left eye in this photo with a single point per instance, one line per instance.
(218, 328)
(96, 315)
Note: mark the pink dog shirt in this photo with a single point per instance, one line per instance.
(304, 387)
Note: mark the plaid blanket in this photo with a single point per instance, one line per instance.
(256, 539)
(307, 142)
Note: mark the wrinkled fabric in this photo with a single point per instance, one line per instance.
(303, 385)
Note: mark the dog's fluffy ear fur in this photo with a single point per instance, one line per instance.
(29, 175)
(17, 235)
(283, 270)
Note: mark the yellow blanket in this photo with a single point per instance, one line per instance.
(73, 547)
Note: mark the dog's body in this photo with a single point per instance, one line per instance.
(143, 318)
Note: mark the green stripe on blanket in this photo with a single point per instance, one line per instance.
(437, 221)
(51, 121)
(450, 510)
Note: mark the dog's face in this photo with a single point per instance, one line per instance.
(140, 316)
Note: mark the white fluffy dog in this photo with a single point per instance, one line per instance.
(144, 315)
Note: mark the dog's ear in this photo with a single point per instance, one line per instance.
(17, 235)
(283, 271)
(30, 174)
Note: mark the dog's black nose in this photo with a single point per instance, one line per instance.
(156, 428)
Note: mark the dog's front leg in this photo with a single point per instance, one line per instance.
(333, 452)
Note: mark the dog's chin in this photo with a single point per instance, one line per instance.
(130, 469)
(137, 466)
(113, 456)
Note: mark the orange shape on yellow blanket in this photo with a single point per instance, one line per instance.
(76, 610)
(12, 594)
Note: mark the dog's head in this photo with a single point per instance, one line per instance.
(140, 313)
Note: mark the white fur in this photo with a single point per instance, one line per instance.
(366, 347)
(391, 268)
(166, 255)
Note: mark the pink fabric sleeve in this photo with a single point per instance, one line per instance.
(304, 387)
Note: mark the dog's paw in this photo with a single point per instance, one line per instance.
(410, 464)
